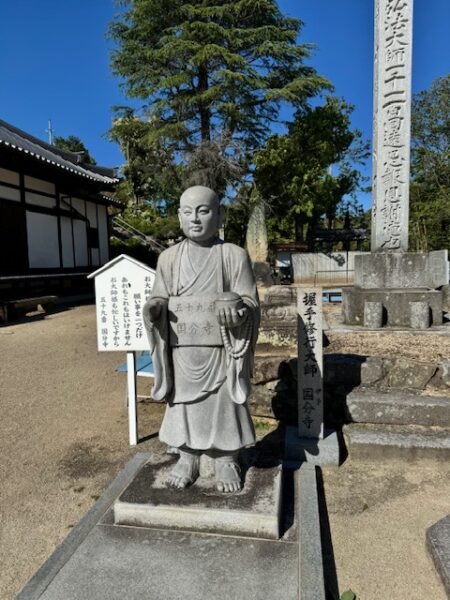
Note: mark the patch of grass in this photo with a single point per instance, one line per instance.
(264, 425)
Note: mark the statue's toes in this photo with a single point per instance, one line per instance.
(220, 486)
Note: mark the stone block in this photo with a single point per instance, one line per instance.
(420, 315)
(268, 368)
(395, 305)
(397, 407)
(342, 369)
(405, 442)
(438, 268)
(323, 451)
(441, 378)
(373, 370)
(254, 511)
(373, 315)
(312, 580)
(438, 543)
(260, 402)
(410, 374)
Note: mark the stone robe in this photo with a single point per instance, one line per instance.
(205, 387)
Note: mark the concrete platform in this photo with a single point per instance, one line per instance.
(254, 511)
(438, 543)
(101, 560)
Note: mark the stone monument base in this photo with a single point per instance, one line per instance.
(397, 289)
(395, 304)
(325, 451)
(254, 511)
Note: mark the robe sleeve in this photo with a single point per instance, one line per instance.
(240, 279)
(158, 335)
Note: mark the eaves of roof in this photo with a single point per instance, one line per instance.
(21, 141)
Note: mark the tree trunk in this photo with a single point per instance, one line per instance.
(205, 117)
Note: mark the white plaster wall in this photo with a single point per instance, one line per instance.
(336, 267)
(79, 206)
(91, 213)
(33, 198)
(8, 193)
(42, 233)
(80, 239)
(9, 176)
(66, 240)
(103, 234)
(39, 185)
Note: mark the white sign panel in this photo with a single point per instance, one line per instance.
(310, 363)
(122, 287)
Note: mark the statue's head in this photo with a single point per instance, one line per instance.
(200, 213)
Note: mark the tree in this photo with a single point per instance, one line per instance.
(212, 76)
(430, 168)
(72, 143)
(294, 171)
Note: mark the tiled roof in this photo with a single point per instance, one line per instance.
(19, 140)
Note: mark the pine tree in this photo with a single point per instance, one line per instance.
(212, 76)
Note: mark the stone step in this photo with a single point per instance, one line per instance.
(405, 442)
(398, 407)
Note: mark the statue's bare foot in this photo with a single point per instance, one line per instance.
(185, 471)
(228, 476)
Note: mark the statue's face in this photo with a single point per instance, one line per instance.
(199, 214)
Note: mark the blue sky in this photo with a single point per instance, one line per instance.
(54, 61)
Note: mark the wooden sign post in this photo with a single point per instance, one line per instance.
(122, 287)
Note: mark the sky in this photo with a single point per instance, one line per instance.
(54, 62)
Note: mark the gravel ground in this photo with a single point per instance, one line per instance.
(64, 436)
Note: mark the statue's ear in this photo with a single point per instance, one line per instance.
(179, 218)
(221, 216)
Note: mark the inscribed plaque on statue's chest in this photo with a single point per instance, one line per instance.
(193, 321)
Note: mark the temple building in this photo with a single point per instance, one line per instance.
(54, 227)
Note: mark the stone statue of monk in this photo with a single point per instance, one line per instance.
(202, 323)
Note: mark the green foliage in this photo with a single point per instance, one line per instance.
(430, 168)
(149, 221)
(211, 75)
(73, 144)
(293, 172)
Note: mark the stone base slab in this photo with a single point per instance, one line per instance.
(398, 407)
(395, 302)
(254, 511)
(325, 451)
(438, 543)
(403, 442)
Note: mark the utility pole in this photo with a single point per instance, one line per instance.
(49, 130)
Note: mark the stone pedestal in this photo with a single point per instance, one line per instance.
(406, 287)
(254, 511)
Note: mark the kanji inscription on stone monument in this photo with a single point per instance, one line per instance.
(310, 363)
(392, 123)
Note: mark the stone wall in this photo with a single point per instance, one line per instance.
(274, 382)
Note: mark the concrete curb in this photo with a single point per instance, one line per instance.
(311, 575)
(44, 576)
(438, 544)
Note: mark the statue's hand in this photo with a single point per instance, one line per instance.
(230, 317)
(153, 308)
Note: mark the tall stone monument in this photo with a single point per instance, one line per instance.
(309, 441)
(394, 287)
(257, 245)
